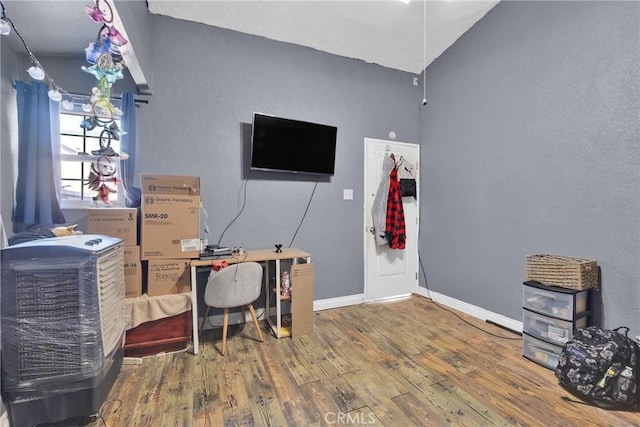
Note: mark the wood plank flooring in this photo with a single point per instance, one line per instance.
(402, 363)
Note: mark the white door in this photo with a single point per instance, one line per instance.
(389, 272)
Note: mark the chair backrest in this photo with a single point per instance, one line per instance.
(234, 286)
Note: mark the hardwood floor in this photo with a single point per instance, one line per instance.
(402, 363)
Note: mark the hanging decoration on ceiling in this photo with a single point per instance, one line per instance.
(106, 65)
(103, 179)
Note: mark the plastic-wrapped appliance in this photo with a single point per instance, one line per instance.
(63, 326)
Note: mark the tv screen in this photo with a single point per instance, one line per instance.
(286, 145)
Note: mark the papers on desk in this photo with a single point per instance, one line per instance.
(215, 252)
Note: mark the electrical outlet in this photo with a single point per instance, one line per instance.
(347, 194)
(415, 81)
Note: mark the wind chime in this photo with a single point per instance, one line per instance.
(106, 65)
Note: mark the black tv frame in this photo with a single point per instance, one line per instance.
(280, 144)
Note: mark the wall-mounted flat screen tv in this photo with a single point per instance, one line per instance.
(287, 145)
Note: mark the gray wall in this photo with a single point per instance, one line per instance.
(532, 146)
(207, 82)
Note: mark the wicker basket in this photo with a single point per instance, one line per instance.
(562, 271)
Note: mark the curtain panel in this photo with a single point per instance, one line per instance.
(36, 194)
(128, 145)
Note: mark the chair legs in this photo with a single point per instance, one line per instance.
(255, 322)
(225, 324)
(204, 319)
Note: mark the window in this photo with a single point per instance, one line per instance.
(78, 151)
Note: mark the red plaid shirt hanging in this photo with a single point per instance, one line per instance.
(395, 227)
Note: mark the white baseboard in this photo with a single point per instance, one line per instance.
(326, 304)
(472, 310)
(329, 303)
(390, 299)
(132, 361)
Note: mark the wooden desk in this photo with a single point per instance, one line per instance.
(258, 255)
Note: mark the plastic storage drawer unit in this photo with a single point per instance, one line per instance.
(541, 352)
(550, 329)
(561, 303)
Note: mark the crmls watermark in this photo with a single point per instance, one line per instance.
(358, 418)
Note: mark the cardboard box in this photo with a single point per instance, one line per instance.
(168, 276)
(170, 217)
(302, 297)
(115, 222)
(132, 272)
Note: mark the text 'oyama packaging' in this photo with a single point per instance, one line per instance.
(170, 216)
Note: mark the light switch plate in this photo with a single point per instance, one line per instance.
(347, 194)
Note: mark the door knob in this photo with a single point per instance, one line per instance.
(372, 230)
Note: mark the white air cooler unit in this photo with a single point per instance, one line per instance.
(63, 326)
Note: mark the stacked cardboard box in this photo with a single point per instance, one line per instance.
(170, 235)
(123, 224)
(168, 276)
(132, 272)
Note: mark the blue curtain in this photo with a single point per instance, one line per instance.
(128, 145)
(36, 201)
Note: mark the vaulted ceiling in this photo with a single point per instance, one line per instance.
(388, 33)
(385, 32)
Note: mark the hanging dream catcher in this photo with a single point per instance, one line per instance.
(103, 179)
(101, 12)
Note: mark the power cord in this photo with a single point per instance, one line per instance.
(237, 263)
(114, 410)
(244, 203)
(305, 211)
(426, 284)
(234, 256)
(453, 312)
